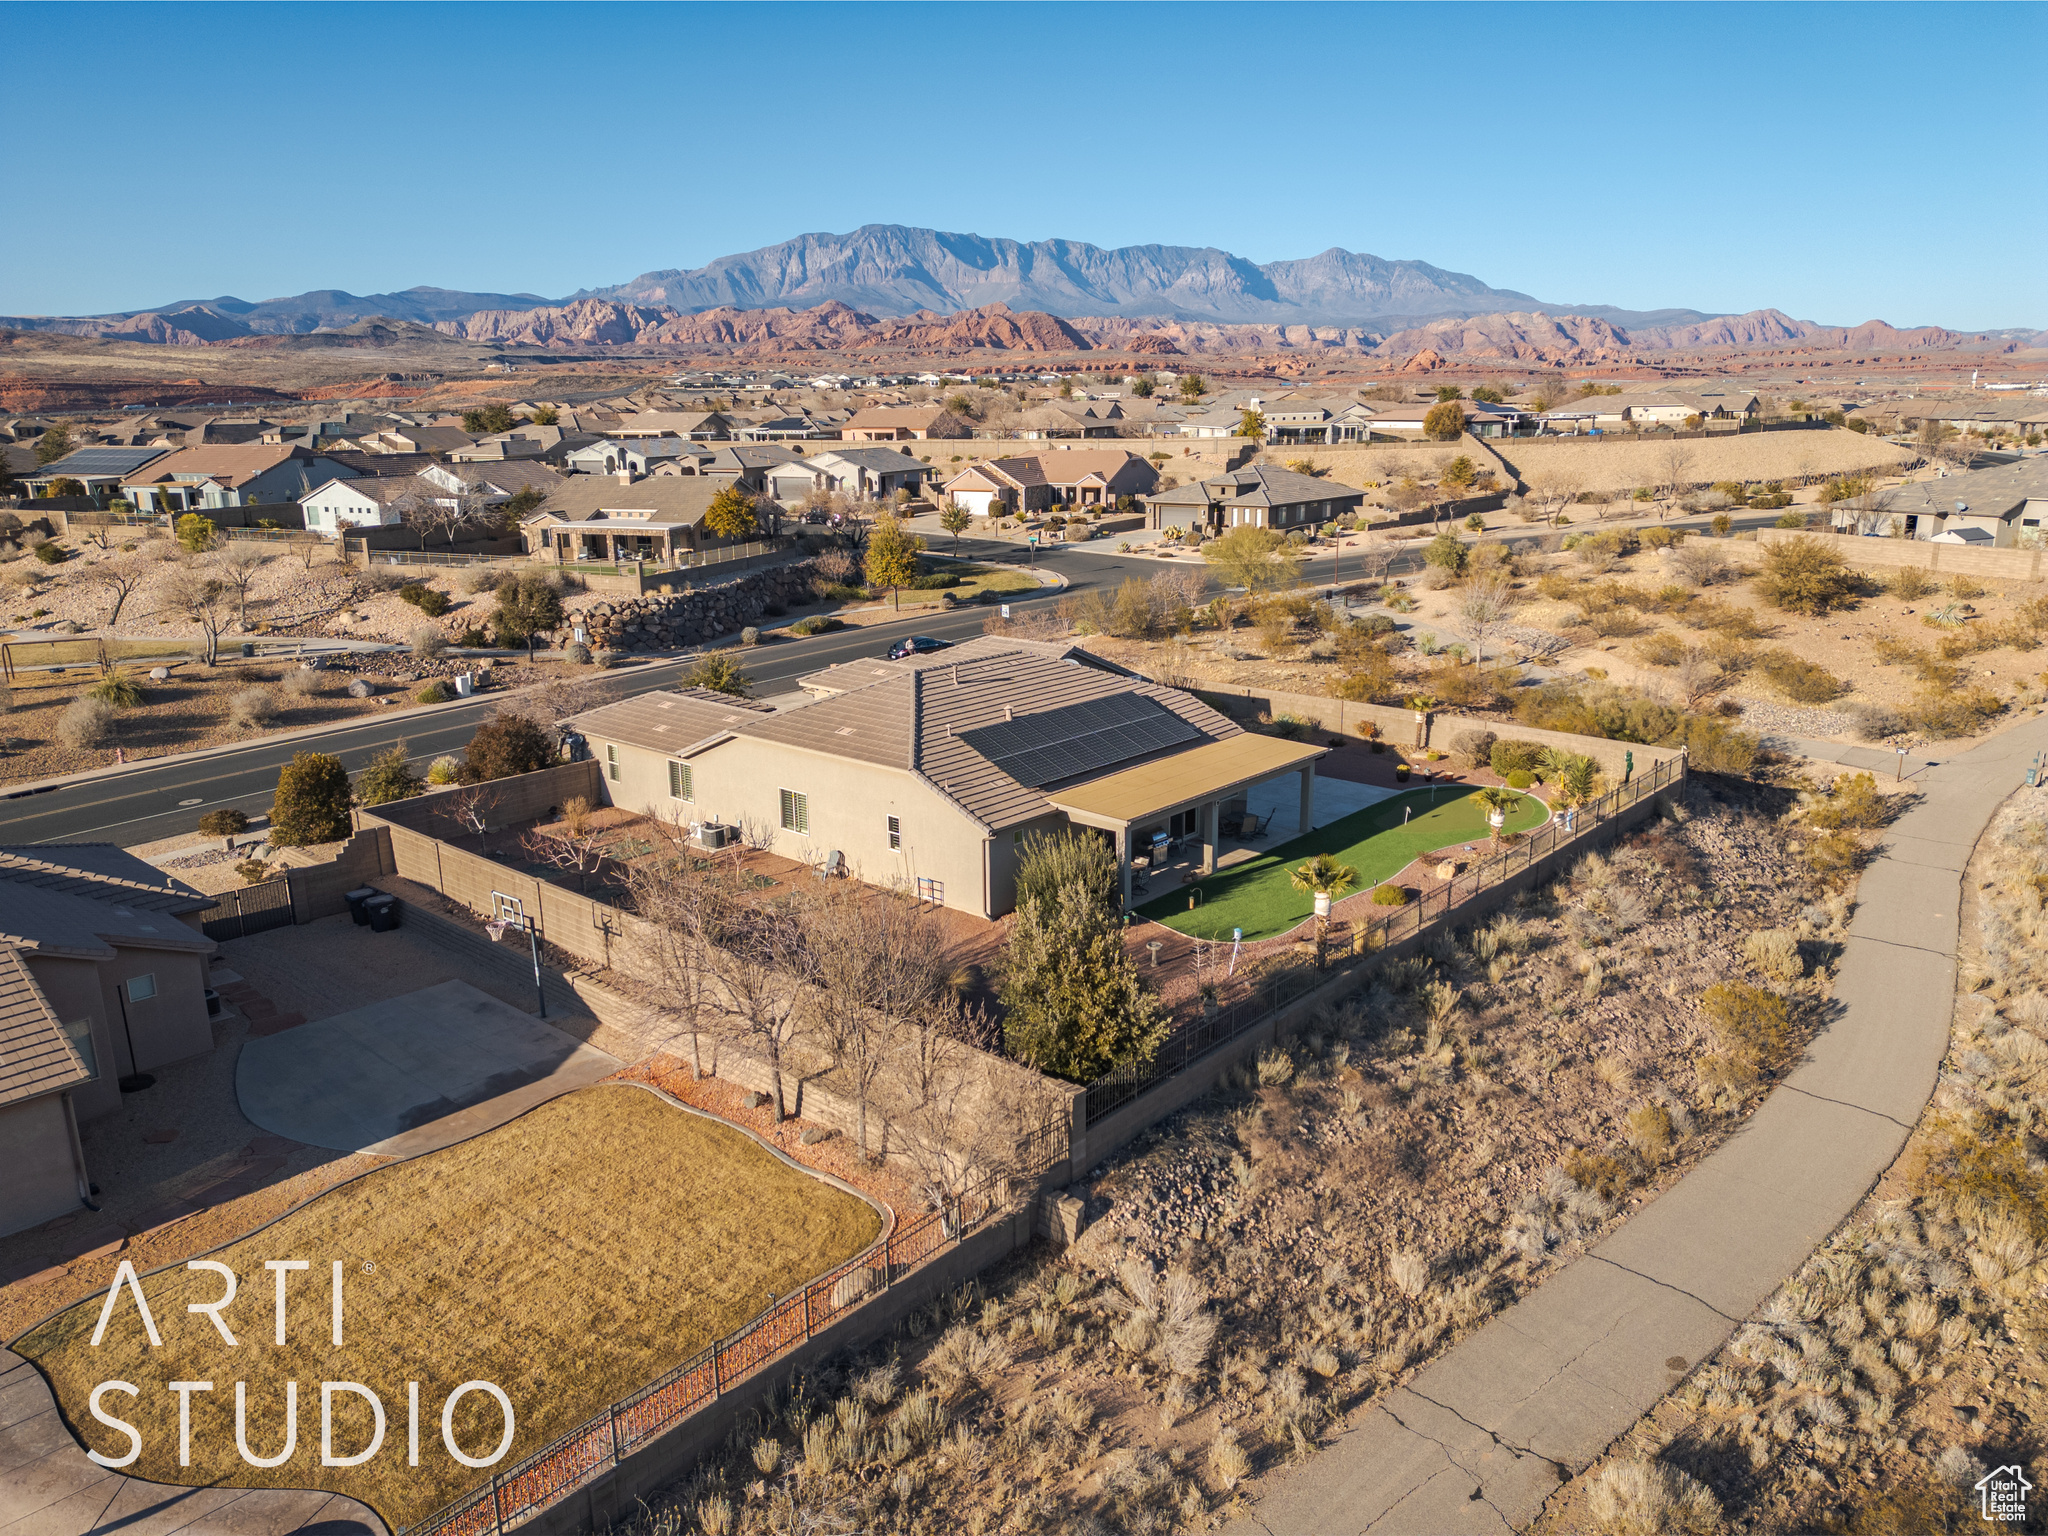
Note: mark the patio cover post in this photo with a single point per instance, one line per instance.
(1123, 861)
(1210, 813)
(1308, 798)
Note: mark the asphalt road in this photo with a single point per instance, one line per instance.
(161, 798)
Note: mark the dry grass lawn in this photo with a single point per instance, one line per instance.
(570, 1257)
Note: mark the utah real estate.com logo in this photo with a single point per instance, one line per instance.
(2003, 1495)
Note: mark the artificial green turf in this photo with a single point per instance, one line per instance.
(1259, 897)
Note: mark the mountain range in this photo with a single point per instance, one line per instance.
(889, 285)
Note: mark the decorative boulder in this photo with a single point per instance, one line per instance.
(361, 688)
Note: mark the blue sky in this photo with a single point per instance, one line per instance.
(1840, 162)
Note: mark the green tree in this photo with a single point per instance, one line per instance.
(546, 416)
(731, 514)
(1258, 559)
(1450, 392)
(196, 533)
(1142, 386)
(1805, 576)
(1075, 1005)
(527, 606)
(519, 506)
(505, 745)
(955, 520)
(54, 443)
(1252, 424)
(1458, 475)
(1497, 801)
(718, 672)
(892, 555)
(63, 485)
(224, 824)
(1323, 876)
(495, 417)
(1447, 552)
(312, 802)
(1486, 394)
(1192, 387)
(1445, 421)
(389, 777)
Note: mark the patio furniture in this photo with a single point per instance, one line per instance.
(1253, 826)
(835, 864)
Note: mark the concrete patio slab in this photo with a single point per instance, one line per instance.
(412, 1073)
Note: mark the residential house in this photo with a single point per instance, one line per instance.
(875, 474)
(103, 975)
(783, 429)
(1481, 420)
(1978, 411)
(1070, 418)
(244, 475)
(366, 501)
(1027, 484)
(1994, 508)
(1292, 423)
(1658, 408)
(1211, 423)
(766, 469)
(527, 442)
(702, 426)
(439, 441)
(658, 519)
(99, 470)
(931, 777)
(903, 423)
(1257, 496)
(496, 483)
(640, 456)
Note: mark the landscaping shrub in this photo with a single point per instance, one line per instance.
(528, 606)
(847, 594)
(86, 722)
(1806, 576)
(1510, 756)
(444, 770)
(196, 533)
(719, 672)
(1713, 745)
(576, 653)
(250, 708)
(1521, 778)
(389, 777)
(473, 638)
(1852, 801)
(428, 642)
(119, 691)
(750, 636)
(1390, 896)
(816, 624)
(1774, 952)
(225, 824)
(427, 599)
(52, 554)
(1750, 1022)
(1798, 678)
(302, 682)
(1447, 553)
(252, 871)
(505, 745)
(434, 693)
(1475, 747)
(312, 802)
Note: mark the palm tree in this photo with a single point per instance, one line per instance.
(1498, 800)
(1325, 877)
(1572, 773)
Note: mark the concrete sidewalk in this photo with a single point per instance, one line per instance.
(1479, 1439)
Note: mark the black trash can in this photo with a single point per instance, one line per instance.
(383, 912)
(355, 900)
(248, 647)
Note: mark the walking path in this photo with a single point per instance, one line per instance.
(1479, 1439)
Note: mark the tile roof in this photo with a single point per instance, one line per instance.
(35, 1056)
(674, 721)
(848, 675)
(1997, 492)
(875, 458)
(915, 720)
(101, 872)
(231, 464)
(669, 499)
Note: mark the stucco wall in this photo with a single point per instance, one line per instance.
(35, 1149)
(1953, 559)
(74, 992)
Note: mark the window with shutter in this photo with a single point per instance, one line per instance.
(679, 786)
(796, 811)
(895, 834)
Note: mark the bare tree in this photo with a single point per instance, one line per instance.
(1554, 491)
(759, 965)
(1487, 602)
(958, 1123)
(120, 578)
(1697, 677)
(307, 546)
(472, 808)
(237, 566)
(432, 509)
(1873, 506)
(678, 898)
(1674, 464)
(1375, 557)
(574, 845)
(206, 601)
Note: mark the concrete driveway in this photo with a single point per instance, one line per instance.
(1480, 1438)
(405, 1076)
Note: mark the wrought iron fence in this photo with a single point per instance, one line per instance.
(601, 1442)
(1188, 1044)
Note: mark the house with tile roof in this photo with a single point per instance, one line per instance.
(594, 517)
(1026, 484)
(103, 976)
(1256, 496)
(903, 423)
(930, 775)
(235, 475)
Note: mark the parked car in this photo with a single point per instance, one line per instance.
(917, 645)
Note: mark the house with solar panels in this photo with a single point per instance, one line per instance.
(100, 469)
(930, 773)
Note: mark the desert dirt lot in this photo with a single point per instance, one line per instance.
(541, 1256)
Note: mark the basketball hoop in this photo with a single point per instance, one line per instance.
(495, 927)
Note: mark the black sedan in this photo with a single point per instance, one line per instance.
(917, 645)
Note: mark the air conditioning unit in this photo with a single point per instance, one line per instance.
(713, 835)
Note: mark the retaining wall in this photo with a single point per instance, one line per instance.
(1875, 554)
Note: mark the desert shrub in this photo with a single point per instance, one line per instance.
(1662, 649)
(1475, 747)
(389, 777)
(719, 672)
(1651, 1132)
(312, 801)
(1508, 756)
(444, 770)
(483, 579)
(1800, 679)
(1806, 576)
(1602, 1172)
(1390, 896)
(816, 624)
(436, 692)
(750, 636)
(1834, 857)
(1853, 800)
(52, 553)
(225, 824)
(430, 601)
(428, 642)
(251, 707)
(119, 691)
(1774, 952)
(576, 653)
(1910, 583)
(1647, 1498)
(86, 723)
(1874, 722)
(1660, 538)
(252, 871)
(1713, 745)
(1749, 1022)
(1945, 713)
(507, 744)
(1447, 553)
(302, 682)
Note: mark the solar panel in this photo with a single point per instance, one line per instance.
(1079, 739)
(102, 461)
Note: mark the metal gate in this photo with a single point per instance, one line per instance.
(252, 909)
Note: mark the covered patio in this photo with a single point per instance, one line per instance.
(1150, 808)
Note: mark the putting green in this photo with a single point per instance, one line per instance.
(1259, 896)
